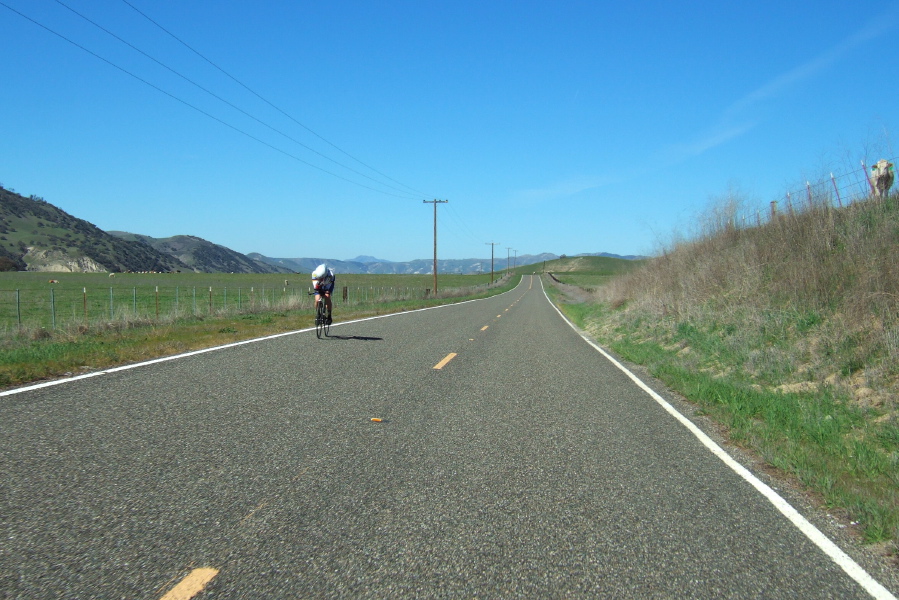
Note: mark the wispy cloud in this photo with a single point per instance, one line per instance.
(711, 138)
(734, 121)
(560, 190)
(811, 68)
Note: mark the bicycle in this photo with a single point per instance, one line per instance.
(322, 326)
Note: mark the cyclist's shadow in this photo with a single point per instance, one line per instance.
(360, 338)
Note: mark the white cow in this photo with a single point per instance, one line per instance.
(882, 178)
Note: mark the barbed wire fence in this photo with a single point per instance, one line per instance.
(833, 191)
(60, 307)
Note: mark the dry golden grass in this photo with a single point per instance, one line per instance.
(825, 278)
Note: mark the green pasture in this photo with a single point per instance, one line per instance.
(30, 300)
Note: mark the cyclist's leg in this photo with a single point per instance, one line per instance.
(328, 304)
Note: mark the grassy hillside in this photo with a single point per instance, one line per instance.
(590, 271)
(788, 334)
(36, 235)
(201, 255)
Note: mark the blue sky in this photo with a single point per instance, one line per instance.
(562, 127)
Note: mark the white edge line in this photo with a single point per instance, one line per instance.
(154, 361)
(843, 560)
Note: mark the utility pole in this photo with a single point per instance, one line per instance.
(508, 259)
(435, 202)
(515, 259)
(491, 244)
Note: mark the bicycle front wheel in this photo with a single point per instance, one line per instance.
(320, 321)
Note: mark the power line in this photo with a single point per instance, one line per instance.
(199, 110)
(217, 97)
(246, 87)
(461, 224)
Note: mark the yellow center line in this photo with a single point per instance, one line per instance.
(484, 327)
(192, 584)
(444, 362)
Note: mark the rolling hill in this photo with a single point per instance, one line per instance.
(201, 255)
(37, 236)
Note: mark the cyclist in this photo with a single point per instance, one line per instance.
(323, 284)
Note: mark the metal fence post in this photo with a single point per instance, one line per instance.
(837, 190)
(18, 309)
(52, 309)
(111, 307)
(867, 178)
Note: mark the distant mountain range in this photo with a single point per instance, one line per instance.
(371, 265)
(37, 236)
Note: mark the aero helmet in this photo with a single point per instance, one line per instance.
(319, 271)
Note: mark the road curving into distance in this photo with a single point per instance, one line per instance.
(482, 449)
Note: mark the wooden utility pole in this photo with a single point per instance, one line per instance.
(491, 244)
(435, 202)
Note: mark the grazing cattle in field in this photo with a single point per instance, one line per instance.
(112, 274)
(54, 281)
(882, 178)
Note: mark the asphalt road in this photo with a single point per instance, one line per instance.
(527, 466)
